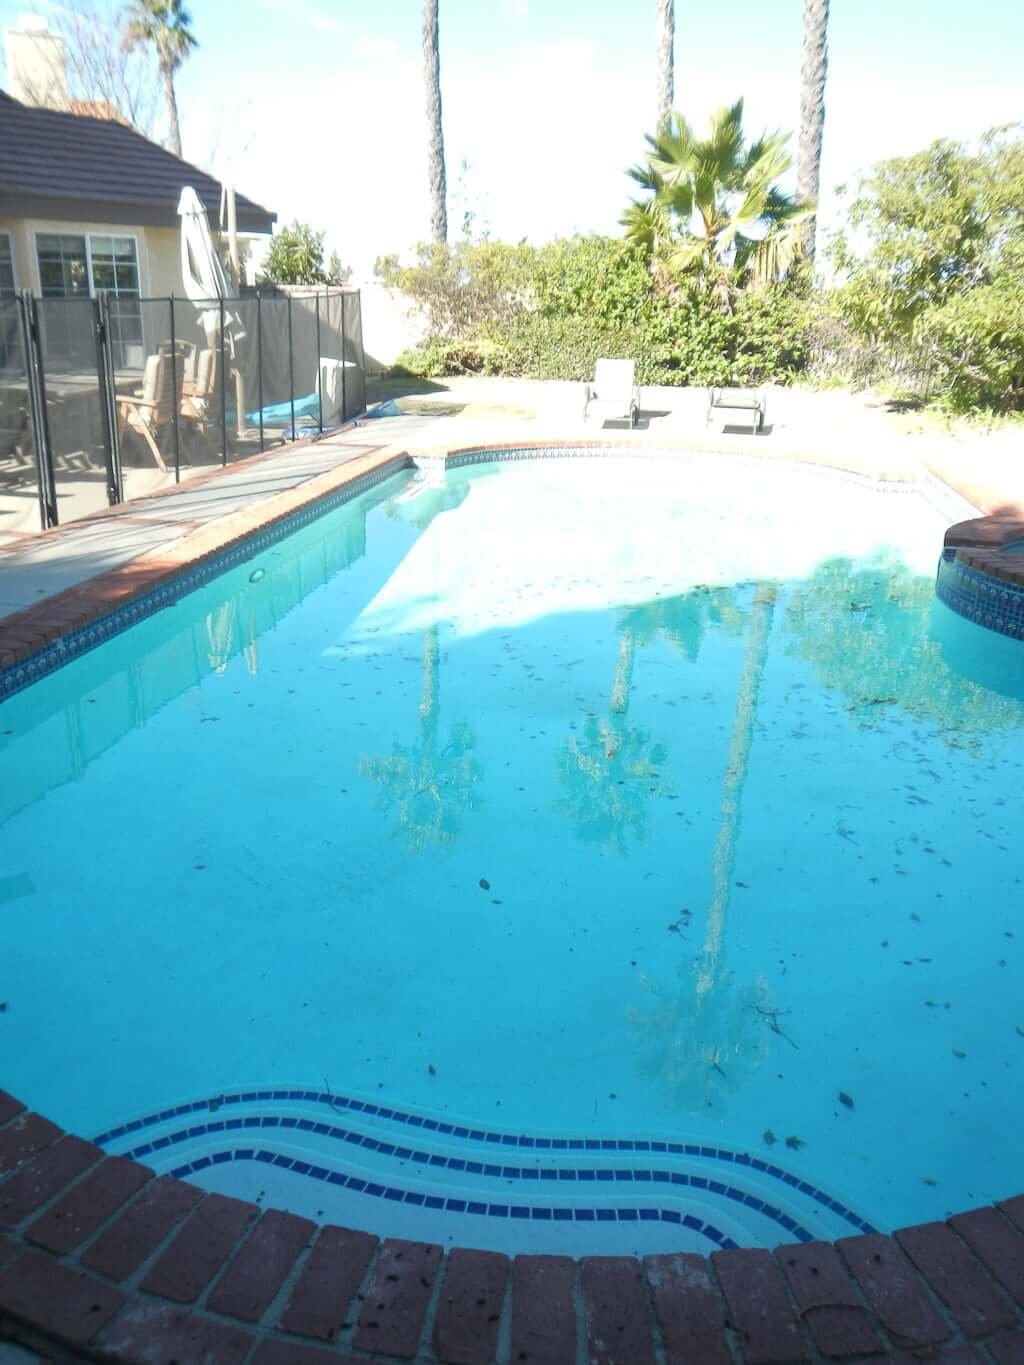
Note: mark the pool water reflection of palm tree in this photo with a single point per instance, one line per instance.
(611, 770)
(706, 1035)
(429, 783)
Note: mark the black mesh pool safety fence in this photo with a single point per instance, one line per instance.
(107, 399)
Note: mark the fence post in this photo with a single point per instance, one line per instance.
(259, 360)
(319, 367)
(176, 391)
(362, 353)
(32, 344)
(291, 366)
(108, 402)
(222, 368)
(344, 362)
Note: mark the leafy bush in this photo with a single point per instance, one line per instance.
(940, 273)
(296, 256)
(439, 356)
(977, 345)
(460, 288)
(550, 312)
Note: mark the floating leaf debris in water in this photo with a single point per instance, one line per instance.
(769, 1137)
(431, 1069)
(958, 1053)
(846, 1099)
(1019, 1029)
(795, 1143)
(927, 1180)
(484, 884)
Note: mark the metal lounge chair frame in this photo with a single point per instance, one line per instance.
(738, 400)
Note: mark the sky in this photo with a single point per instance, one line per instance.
(315, 108)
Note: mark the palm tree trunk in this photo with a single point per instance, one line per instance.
(812, 109)
(435, 134)
(172, 109)
(431, 673)
(732, 786)
(666, 62)
(623, 682)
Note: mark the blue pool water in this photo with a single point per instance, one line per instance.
(624, 813)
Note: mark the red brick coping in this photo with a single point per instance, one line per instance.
(100, 1259)
(981, 544)
(24, 632)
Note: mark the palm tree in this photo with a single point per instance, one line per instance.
(666, 62)
(435, 132)
(812, 111)
(164, 25)
(715, 206)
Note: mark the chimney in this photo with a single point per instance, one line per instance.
(36, 69)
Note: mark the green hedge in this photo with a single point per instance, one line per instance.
(549, 312)
(763, 341)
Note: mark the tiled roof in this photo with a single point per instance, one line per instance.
(61, 165)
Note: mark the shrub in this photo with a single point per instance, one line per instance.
(550, 312)
(977, 344)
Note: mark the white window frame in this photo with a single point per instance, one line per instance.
(67, 230)
(14, 263)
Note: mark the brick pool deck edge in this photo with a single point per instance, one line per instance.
(100, 1259)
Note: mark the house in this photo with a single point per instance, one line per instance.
(86, 202)
(89, 204)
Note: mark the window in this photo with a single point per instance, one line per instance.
(10, 341)
(63, 267)
(7, 290)
(80, 265)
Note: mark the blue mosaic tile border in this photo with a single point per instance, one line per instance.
(578, 1176)
(988, 601)
(424, 1124)
(442, 1203)
(611, 450)
(28, 671)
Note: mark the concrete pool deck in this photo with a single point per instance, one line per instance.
(140, 542)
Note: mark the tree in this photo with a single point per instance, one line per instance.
(934, 225)
(812, 112)
(666, 63)
(296, 256)
(163, 25)
(104, 79)
(435, 132)
(715, 215)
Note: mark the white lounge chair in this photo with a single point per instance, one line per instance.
(613, 391)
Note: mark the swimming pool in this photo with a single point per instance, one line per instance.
(570, 854)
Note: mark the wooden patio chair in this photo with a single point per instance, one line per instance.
(198, 393)
(150, 411)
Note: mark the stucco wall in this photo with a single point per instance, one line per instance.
(25, 276)
(164, 257)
